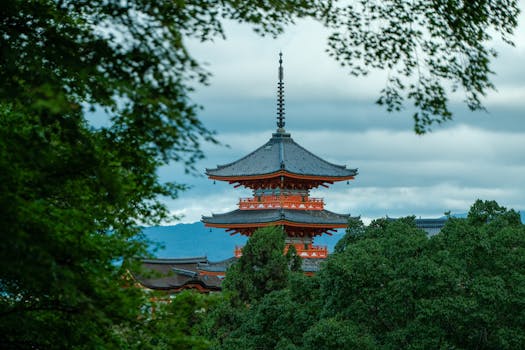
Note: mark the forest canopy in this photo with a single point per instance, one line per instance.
(389, 286)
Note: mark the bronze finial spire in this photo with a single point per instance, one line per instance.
(280, 97)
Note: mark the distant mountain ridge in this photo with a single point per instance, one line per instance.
(190, 240)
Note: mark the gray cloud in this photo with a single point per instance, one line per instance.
(400, 173)
(478, 155)
(244, 66)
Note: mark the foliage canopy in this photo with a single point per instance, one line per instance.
(389, 286)
(73, 195)
(427, 47)
(262, 268)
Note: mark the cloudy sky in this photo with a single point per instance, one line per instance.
(332, 114)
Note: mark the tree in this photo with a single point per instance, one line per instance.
(269, 301)
(131, 59)
(174, 323)
(330, 333)
(483, 212)
(369, 282)
(277, 320)
(262, 268)
(425, 47)
(72, 195)
(354, 230)
(389, 286)
(61, 282)
(462, 288)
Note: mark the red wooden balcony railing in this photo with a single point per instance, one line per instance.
(285, 202)
(312, 251)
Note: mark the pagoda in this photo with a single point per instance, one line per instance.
(281, 174)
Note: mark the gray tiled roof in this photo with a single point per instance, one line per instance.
(272, 215)
(431, 223)
(175, 261)
(281, 153)
(430, 226)
(217, 266)
(173, 274)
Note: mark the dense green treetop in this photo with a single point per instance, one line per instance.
(461, 289)
(262, 268)
(173, 322)
(389, 286)
(268, 299)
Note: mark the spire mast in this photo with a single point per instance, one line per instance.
(280, 97)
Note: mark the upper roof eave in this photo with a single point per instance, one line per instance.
(280, 154)
(350, 176)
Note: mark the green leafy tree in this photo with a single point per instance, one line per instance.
(485, 308)
(270, 302)
(330, 333)
(131, 58)
(389, 286)
(174, 322)
(368, 283)
(262, 268)
(295, 261)
(61, 279)
(354, 230)
(425, 46)
(484, 212)
(72, 195)
(462, 288)
(277, 320)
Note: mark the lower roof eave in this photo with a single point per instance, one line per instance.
(277, 223)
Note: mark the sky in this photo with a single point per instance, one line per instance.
(333, 114)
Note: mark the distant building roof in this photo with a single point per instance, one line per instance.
(217, 266)
(198, 273)
(431, 226)
(267, 216)
(439, 222)
(282, 154)
(173, 275)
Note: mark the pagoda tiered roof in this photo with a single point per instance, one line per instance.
(313, 222)
(282, 158)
